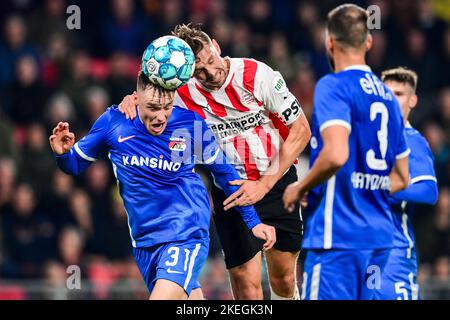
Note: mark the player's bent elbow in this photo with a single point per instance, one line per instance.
(305, 130)
(403, 184)
(338, 159)
(300, 137)
(306, 133)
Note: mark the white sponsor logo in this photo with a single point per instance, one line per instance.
(370, 181)
(153, 163)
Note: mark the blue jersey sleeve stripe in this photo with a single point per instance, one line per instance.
(403, 154)
(213, 158)
(423, 178)
(335, 122)
(82, 154)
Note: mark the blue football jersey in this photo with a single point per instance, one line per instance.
(351, 210)
(420, 169)
(164, 198)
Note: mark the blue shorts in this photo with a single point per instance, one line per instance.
(398, 281)
(179, 262)
(343, 274)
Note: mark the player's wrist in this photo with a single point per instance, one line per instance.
(266, 184)
(62, 154)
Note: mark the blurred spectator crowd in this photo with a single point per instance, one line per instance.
(48, 73)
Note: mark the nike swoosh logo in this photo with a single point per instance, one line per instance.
(120, 139)
(173, 271)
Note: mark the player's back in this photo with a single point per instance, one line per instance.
(351, 210)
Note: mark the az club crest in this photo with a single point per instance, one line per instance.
(177, 144)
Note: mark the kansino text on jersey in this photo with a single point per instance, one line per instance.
(151, 162)
(369, 181)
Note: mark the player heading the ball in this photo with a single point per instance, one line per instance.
(168, 210)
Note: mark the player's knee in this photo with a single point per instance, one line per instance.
(283, 284)
(248, 291)
(246, 286)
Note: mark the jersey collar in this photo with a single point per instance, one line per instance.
(361, 67)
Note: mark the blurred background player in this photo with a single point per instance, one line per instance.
(399, 278)
(166, 201)
(358, 155)
(262, 130)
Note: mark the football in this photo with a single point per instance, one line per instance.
(168, 62)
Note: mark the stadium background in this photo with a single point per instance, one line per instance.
(48, 73)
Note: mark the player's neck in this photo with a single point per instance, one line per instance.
(343, 60)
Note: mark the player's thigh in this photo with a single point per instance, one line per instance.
(281, 263)
(167, 290)
(196, 294)
(178, 262)
(249, 271)
(238, 242)
(288, 226)
(374, 272)
(333, 275)
(399, 277)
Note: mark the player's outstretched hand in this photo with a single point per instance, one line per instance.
(248, 194)
(267, 233)
(128, 106)
(62, 140)
(292, 195)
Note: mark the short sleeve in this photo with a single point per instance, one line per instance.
(331, 106)
(272, 91)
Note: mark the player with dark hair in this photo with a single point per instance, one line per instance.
(359, 156)
(262, 130)
(168, 208)
(398, 281)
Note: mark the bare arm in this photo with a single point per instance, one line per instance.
(299, 135)
(399, 175)
(251, 192)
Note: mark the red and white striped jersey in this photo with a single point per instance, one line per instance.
(248, 115)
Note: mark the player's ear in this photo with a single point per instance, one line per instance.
(369, 42)
(216, 45)
(329, 42)
(413, 101)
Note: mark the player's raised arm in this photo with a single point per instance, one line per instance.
(74, 158)
(62, 140)
(128, 106)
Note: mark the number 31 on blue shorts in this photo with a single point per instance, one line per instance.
(179, 262)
